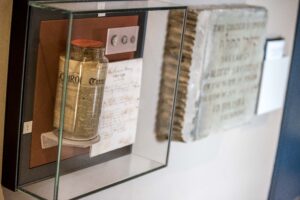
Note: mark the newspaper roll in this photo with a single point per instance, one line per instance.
(85, 88)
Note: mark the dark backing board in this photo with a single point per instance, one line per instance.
(17, 151)
(52, 42)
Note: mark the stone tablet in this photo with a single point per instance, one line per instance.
(220, 71)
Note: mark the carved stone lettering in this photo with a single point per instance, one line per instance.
(221, 69)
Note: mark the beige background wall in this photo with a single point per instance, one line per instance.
(5, 17)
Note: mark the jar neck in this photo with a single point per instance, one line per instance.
(86, 54)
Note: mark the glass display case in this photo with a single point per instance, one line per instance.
(91, 84)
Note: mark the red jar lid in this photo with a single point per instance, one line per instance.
(86, 43)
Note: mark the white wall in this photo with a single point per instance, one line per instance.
(282, 18)
(235, 165)
(206, 2)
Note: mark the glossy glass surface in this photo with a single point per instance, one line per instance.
(90, 7)
(79, 171)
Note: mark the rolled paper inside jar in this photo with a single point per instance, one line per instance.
(85, 87)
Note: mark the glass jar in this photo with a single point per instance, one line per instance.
(85, 88)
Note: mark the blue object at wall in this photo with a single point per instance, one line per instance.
(286, 176)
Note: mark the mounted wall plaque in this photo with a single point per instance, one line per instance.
(221, 70)
(90, 93)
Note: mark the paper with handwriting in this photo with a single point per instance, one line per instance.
(119, 115)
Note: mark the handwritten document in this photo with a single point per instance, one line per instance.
(119, 115)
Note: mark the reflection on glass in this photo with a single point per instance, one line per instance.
(86, 78)
(117, 101)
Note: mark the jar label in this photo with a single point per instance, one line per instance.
(85, 88)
